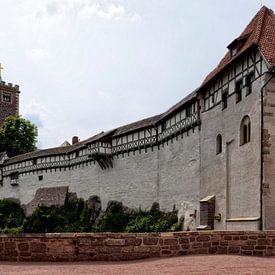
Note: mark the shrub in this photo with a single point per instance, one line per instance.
(11, 214)
(74, 216)
(113, 220)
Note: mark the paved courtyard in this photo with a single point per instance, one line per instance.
(220, 264)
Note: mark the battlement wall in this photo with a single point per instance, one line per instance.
(12, 86)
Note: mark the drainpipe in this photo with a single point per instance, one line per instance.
(272, 70)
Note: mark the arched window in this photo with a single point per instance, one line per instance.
(219, 144)
(245, 130)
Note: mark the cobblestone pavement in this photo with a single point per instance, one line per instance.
(220, 264)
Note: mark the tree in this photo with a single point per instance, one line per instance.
(18, 136)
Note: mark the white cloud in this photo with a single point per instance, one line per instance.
(90, 9)
(36, 54)
(109, 12)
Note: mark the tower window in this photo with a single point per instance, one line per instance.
(40, 177)
(245, 130)
(6, 97)
(238, 90)
(218, 144)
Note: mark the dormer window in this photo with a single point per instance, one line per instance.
(234, 51)
(236, 45)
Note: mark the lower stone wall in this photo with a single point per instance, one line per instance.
(115, 246)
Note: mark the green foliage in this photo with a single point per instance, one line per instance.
(18, 136)
(152, 222)
(11, 214)
(13, 230)
(74, 216)
(113, 220)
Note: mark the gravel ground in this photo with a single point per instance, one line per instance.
(219, 264)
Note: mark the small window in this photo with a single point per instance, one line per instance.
(224, 98)
(189, 111)
(14, 176)
(77, 154)
(6, 97)
(248, 83)
(213, 98)
(234, 51)
(218, 144)
(34, 161)
(245, 130)
(238, 90)
(163, 126)
(40, 177)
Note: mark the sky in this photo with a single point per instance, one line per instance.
(86, 66)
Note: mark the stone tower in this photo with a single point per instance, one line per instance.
(9, 100)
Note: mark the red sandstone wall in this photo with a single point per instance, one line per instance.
(113, 246)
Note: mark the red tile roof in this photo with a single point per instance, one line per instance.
(260, 32)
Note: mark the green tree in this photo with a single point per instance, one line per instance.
(18, 136)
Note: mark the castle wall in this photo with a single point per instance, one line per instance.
(268, 187)
(175, 163)
(233, 176)
(169, 176)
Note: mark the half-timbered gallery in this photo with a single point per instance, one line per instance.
(211, 157)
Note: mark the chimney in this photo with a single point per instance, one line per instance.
(75, 140)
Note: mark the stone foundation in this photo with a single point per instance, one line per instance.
(117, 247)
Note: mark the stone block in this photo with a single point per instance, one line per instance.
(233, 249)
(171, 241)
(133, 241)
(114, 242)
(38, 247)
(203, 238)
(150, 241)
(23, 247)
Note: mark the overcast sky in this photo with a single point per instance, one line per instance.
(86, 66)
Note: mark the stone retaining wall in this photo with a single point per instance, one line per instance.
(115, 246)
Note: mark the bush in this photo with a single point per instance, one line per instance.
(113, 220)
(13, 230)
(74, 216)
(11, 214)
(152, 222)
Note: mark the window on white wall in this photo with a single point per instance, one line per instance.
(245, 130)
(218, 144)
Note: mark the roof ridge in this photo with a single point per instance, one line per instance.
(260, 23)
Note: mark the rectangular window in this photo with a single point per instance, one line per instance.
(234, 51)
(14, 176)
(238, 90)
(188, 111)
(248, 83)
(6, 97)
(163, 126)
(40, 177)
(224, 98)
